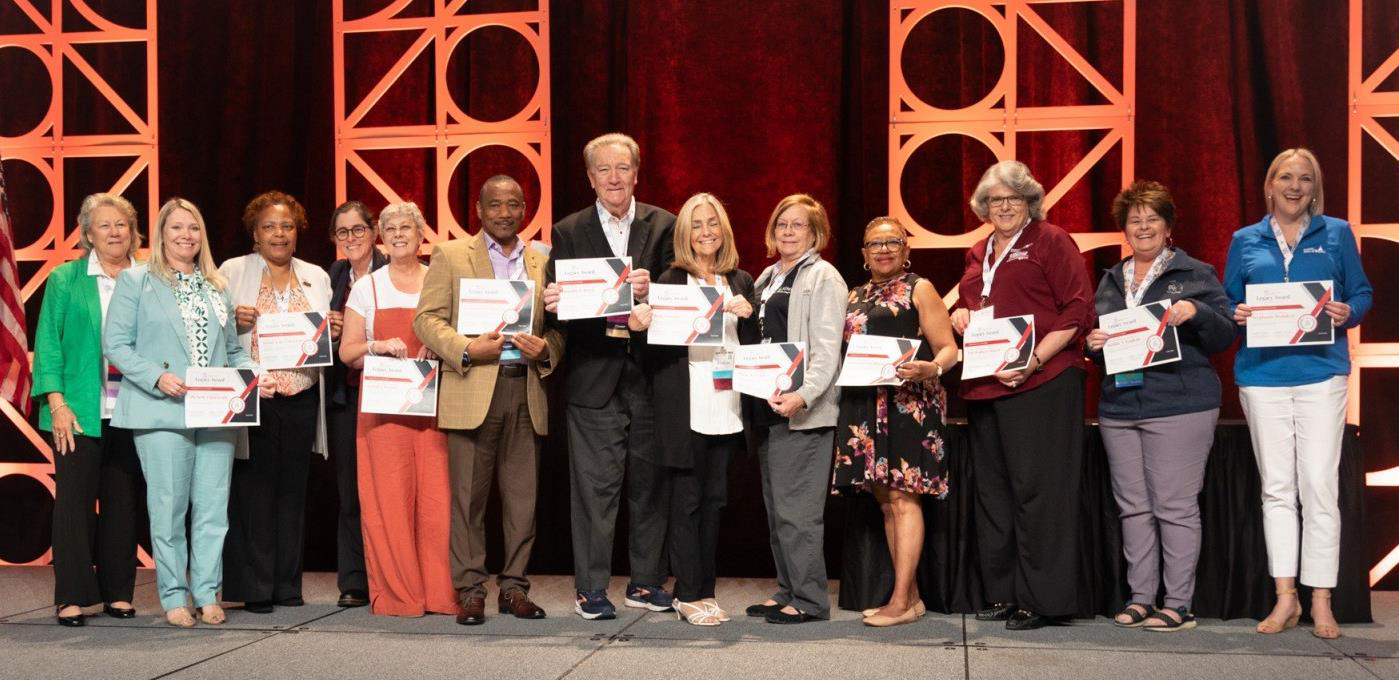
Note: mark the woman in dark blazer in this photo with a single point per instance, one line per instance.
(700, 425)
(77, 391)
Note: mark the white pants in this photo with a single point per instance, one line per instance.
(1296, 433)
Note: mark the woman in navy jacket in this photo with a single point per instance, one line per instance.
(1158, 423)
(1295, 397)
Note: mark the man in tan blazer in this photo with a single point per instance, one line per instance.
(491, 402)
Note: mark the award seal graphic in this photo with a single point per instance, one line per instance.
(1307, 323)
(236, 405)
(784, 382)
(886, 372)
(415, 396)
(1011, 355)
(510, 316)
(308, 348)
(610, 296)
(1155, 343)
(701, 325)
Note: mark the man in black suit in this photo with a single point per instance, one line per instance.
(611, 426)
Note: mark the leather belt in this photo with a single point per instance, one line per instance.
(513, 370)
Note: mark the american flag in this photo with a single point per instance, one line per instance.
(14, 342)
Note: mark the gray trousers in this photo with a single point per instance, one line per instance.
(796, 469)
(1158, 467)
(606, 445)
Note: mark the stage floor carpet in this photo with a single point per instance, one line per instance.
(320, 640)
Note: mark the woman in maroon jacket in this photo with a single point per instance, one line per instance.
(1027, 424)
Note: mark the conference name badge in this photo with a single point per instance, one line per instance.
(221, 397)
(1289, 314)
(293, 340)
(723, 371)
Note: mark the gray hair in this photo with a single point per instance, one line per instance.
(608, 140)
(106, 200)
(1012, 175)
(407, 209)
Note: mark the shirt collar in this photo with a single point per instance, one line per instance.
(518, 251)
(604, 217)
(94, 267)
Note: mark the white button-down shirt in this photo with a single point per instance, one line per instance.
(106, 285)
(617, 229)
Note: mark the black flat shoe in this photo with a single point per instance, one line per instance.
(780, 616)
(1024, 619)
(294, 601)
(996, 611)
(119, 612)
(353, 598)
(762, 610)
(263, 607)
(76, 621)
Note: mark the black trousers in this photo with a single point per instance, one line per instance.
(262, 557)
(605, 446)
(94, 556)
(1027, 453)
(340, 426)
(698, 497)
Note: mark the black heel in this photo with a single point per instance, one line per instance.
(75, 621)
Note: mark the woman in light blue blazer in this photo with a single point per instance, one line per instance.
(166, 316)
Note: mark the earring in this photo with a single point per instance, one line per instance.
(866, 266)
(907, 263)
(1170, 242)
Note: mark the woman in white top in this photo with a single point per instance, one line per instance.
(404, 492)
(698, 413)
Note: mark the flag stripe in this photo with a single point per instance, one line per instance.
(14, 342)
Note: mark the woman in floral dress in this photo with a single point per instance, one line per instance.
(889, 439)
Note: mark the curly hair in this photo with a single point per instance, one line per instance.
(266, 200)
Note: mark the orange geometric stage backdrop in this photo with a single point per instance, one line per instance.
(453, 134)
(49, 147)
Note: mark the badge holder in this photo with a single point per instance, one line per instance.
(723, 369)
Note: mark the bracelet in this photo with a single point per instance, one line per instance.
(55, 409)
(939, 375)
(370, 348)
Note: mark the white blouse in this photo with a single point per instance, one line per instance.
(712, 411)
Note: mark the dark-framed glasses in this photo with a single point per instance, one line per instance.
(357, 231)
(885, 246)
(1012, 201)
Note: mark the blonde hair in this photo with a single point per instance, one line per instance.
(161, 267)
(815, 213)
(106, 200)
(1012, 175)
(726, 260)
(1318, 197)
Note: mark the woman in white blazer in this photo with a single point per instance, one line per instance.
(263, 559)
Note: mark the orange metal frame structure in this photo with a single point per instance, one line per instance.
(1367, 105)
(47, 146)
(453, 134)
(913, 122)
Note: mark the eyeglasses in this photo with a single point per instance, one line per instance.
(357, 231)
(887, 246)
(1154, 220)
(792, 226)
(1012, 201)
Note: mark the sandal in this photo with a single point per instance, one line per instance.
(1169, 624)
(695, 614)
(1267, 627)
(212, 614)
(180, 618)
(1136, 617)
(714, 608)
(1325, 631)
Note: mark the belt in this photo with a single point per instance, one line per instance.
(513, 370)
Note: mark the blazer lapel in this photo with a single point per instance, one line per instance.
(535, 262)
(171, 309)
(479, 257)
(639, 235)
(93, 302)
(592, 229)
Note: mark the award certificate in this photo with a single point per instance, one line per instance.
(396, 386)
(994, 345)
(872, 360)
(769, 369)
(686, 315)
(593, 287)
(1139, 337)
(494, 306)
(1289, 314)
(221, 397)
(293, 340)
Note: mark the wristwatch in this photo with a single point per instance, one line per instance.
(465, 359)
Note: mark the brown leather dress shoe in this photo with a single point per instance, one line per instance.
(516, 602)
(473, 612)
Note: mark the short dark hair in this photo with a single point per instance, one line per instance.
(494, 179)
(266, 200)
(1147, 194)
(364, 212)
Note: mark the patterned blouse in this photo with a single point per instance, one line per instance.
(195, 297)
(289, 380)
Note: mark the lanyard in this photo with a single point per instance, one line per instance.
(988, 269)
(1287, 250)
(1134, 291)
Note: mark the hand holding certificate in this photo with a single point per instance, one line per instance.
(874, 360)
(495, 306)
(1139, 337)
(993, 345)
(293, 340)
(1289, 314)
(399, 386)
(767, 370)
(686, 315)
(221, 397)
(593, 287)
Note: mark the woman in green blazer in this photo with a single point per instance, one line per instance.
(169, 315)
(94, 558)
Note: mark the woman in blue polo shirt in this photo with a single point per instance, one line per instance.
(1295, 397)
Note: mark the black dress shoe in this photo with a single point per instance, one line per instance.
(119, 612)
(263, 607)
(473, 612)
(353, 598)
(76, 621)
(762, 610)
(996, 611)
(780, 616)
(293, 601)
(1024, 619)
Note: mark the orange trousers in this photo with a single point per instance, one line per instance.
(405, 511)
